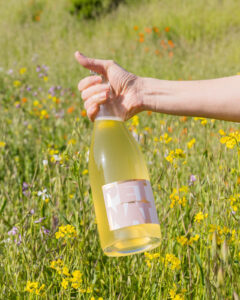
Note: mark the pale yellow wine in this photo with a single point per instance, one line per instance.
(114, 157)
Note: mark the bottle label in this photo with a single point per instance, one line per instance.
(129, 203)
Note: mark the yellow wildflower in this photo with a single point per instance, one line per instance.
(22, 71)
(191, 143)
(182, 240)
(44, 114)
(231, 140)
(35, 103)
(67, 231)
(45, 78)
(32, 287)
(199, 217)
(64, 283)
(72, 142)
(2, 144)
(172, 261)
(17, 83)
(165, 138)
(135, 121)
(65, 271)
(221, 132)
(84, 172)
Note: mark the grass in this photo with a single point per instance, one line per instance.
(36, 126)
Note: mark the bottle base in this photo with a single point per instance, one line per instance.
(132, 246)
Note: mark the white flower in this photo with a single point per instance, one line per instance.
(57, 157)
(87, 155)
(45, 162)
(43, 194)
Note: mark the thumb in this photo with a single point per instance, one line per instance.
(99, 66)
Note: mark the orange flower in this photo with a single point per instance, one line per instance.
(170, 129)
(135, 28)
(167, 29)
(155, 29)
(149, 113)
(157, 52)
(148, 30)
(184, 131)
(141, 35)
(170, 54)
(24, 100)
(141, 40)
(65, 136)
(70, 109)
(163, 44)
(238, 180)
(37, 18)
(83, 113)
(146, 49)
(183, 119)
(57, 101)
(171, 44)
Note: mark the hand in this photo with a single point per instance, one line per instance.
(124, 89)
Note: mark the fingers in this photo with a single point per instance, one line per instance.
(92, 112)
(88, 81)
(96, 100)
(95, 89)
(97, 65)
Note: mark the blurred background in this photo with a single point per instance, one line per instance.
(165, 39)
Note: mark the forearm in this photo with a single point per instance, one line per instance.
(213, 98)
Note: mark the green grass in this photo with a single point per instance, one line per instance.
(206, 38)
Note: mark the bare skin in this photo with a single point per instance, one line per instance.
(213, 98)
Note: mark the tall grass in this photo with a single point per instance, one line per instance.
(44, 141)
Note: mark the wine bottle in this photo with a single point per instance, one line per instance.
(122, 195)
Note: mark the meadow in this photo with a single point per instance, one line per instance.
(49, 245)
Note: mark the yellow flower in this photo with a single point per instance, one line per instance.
(64, 283)
(35, 103)
(172, 261)
(199, 217)
(32, 287)
(45, 78)
(165, 138)
(65, 271)
(72, 142)
(44, 114)
(182, 240)
(17, 83)
(67, 231)
(191, 143)
(84, 172)
(221, 132)
(135, 121)
(2, 144)
(231, 140)
(22, 71)
(38, 291)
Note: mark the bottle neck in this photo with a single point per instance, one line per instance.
(107, 112)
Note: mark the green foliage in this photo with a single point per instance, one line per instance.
(206, 45)
(90, 9)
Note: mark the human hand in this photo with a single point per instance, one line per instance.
(124, 89)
